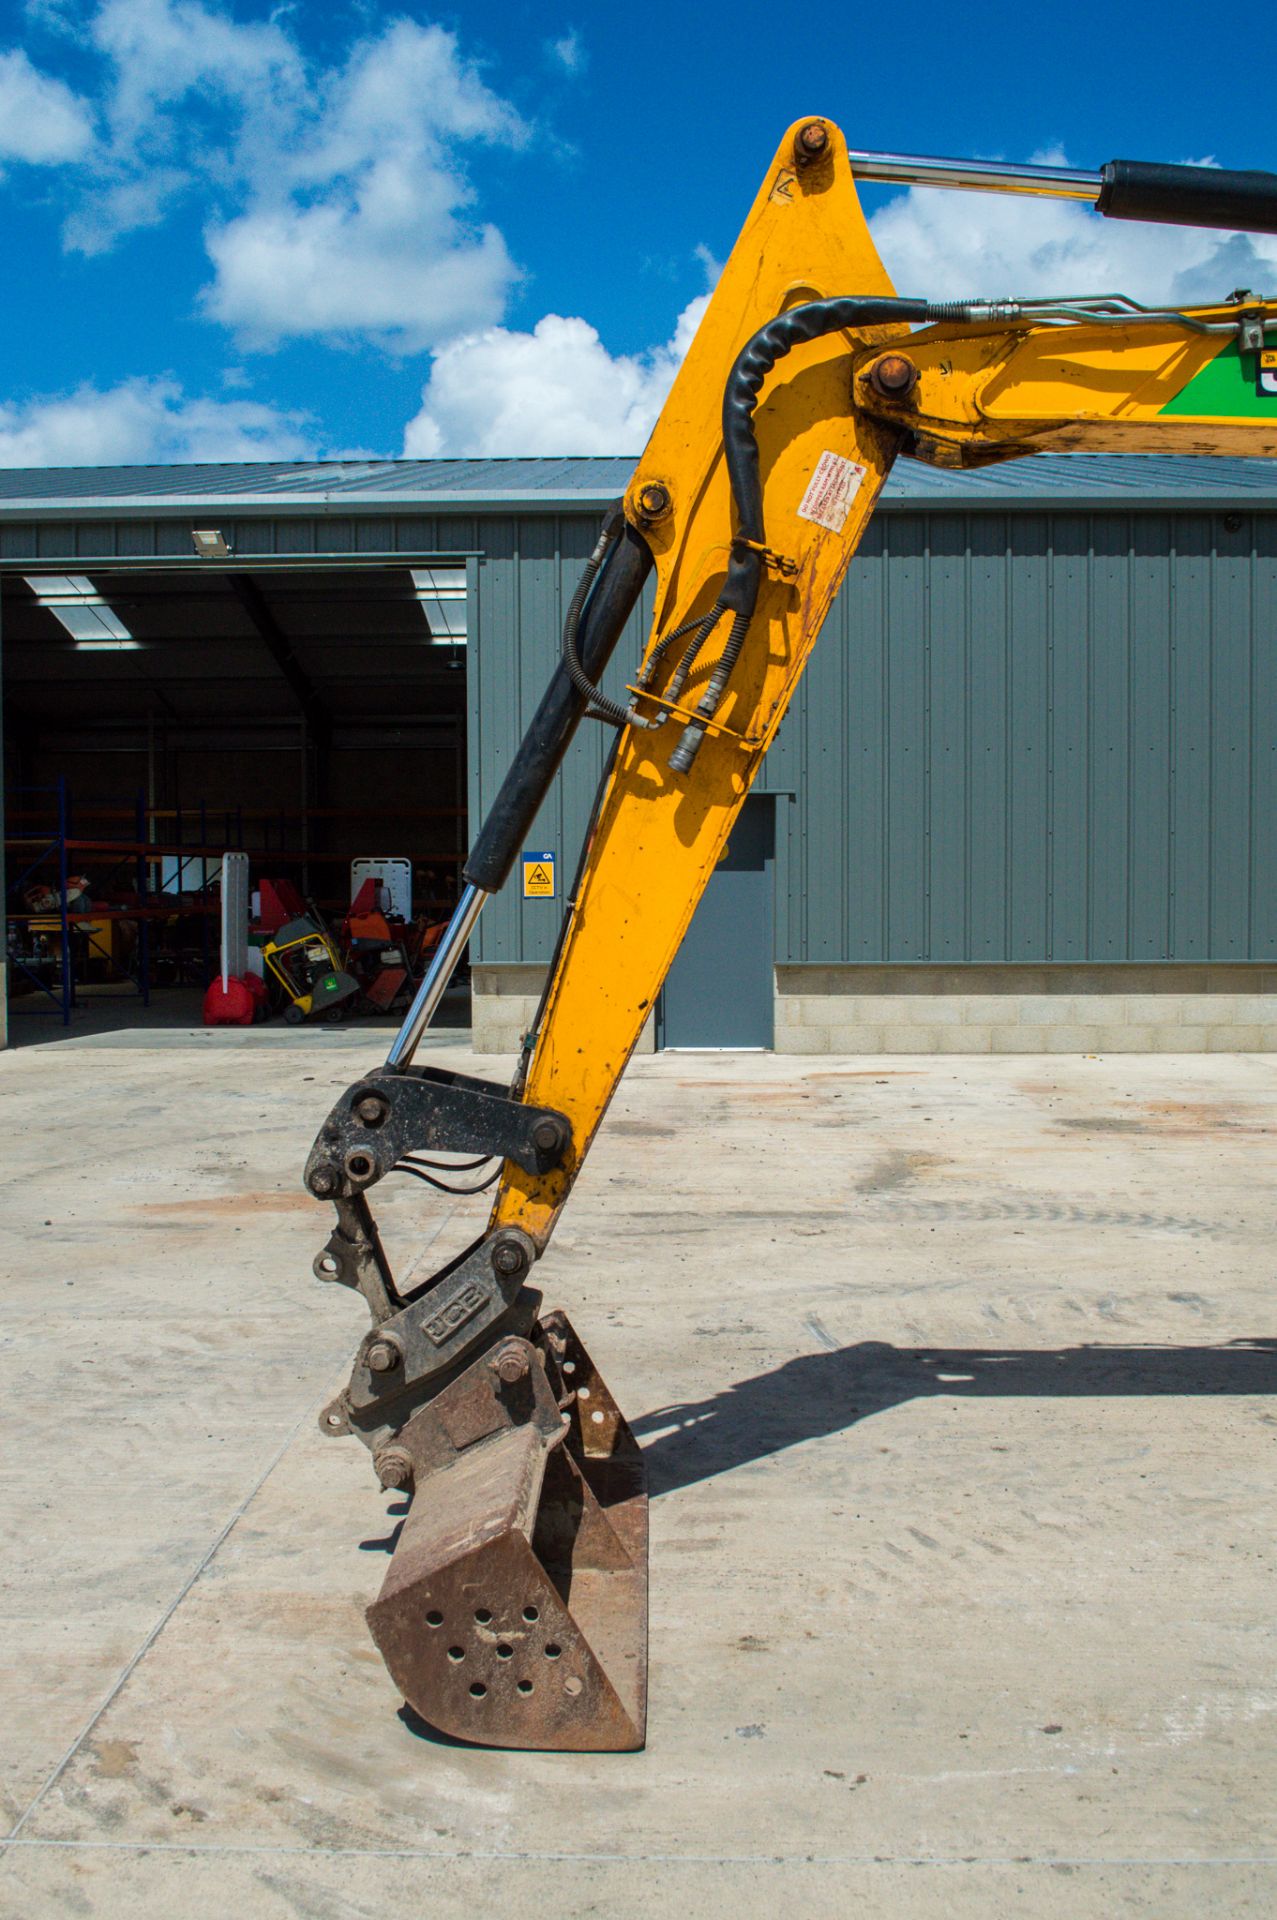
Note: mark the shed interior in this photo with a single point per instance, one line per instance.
(308, 715)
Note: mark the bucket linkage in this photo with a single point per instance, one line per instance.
(514, 1609)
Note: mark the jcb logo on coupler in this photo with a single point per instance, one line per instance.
(471, 1300)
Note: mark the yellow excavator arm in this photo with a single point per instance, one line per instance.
(514, 1609)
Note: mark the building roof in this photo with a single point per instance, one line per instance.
(378, 486)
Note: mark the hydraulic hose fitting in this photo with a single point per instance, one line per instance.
(942, 313)
(688, 747)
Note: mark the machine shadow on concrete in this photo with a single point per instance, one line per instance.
(823, 1393)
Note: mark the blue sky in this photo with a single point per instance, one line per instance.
(234, 229)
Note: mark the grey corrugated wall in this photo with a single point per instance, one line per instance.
(530, 566)
(1024, 737)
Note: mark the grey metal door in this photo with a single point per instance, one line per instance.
(719, 991)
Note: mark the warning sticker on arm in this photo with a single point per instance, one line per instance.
(831, 491)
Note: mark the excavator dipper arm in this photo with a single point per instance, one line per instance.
(514, 1609)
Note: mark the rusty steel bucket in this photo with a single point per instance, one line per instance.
(514, 1610)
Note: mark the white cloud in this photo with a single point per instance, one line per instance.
(160, 51)
(335, 271)
(190, 98)
(556, 390)
(143, 421)
(983, 245)
(360, 227)
(334, 200)
(568, 52)
(41, 120)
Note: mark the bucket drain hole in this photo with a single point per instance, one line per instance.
(597, 1417)
(477, 1690)
(482, 1615)
(434, 1618)
(504, 1652)
(525, 1686)
(531, 1613)
(553, 1650)
(456, 1653)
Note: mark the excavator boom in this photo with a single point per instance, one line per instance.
(514, 1609)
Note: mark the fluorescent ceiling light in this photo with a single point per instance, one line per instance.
(209, 543)
(441, 592)
(76, 604)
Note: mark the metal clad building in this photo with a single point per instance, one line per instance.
(1025, 795)
(1039, 737)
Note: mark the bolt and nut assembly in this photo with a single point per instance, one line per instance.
(510, 1364)
(393, 1467)
(811, 143)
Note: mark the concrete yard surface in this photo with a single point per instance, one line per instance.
(958, 1383)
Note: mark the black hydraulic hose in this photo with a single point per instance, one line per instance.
(702, 624)
(691, 652)
(616, 591)
(740, 447)
(598, 705)
(744, 383)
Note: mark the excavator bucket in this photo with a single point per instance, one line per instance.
(514, 1611)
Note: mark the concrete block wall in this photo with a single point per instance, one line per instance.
(906, 1009)
(1056, 1009)
(503, 1005)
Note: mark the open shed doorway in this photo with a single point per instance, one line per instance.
(157, 717)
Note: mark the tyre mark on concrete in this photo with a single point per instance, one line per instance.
(1039, 1212)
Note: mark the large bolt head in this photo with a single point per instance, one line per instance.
(510, 1365)
(393, 1467)
(811, 142)
(384, 1356)
(323, 1182)
(508, 1258)
(371, 1110)
(654, 501)
(893, 376)
(547, 1135)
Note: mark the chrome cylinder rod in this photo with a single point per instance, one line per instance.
(978, 176)
(440, 971)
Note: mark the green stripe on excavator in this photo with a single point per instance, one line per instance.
(1225, 389)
